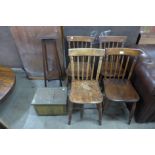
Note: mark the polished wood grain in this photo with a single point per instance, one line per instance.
(85, 90)
(119, 88)
(7, 81)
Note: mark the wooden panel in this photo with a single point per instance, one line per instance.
(27, 39)
(7, 81)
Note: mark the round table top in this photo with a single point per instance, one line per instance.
(7, 81)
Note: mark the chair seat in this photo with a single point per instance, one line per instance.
(120, 90)
(111, 74)
(86, 91)
(69, 73)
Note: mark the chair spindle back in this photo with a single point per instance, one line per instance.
(121, 60)
(80, 41)
(112, 41)
(92, 56)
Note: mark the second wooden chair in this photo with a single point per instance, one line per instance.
(78, 42)
(111, 42)
(119, 88)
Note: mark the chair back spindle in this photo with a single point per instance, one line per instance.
(92, 56)
(80, 41)
(112, 41)
(120, 59)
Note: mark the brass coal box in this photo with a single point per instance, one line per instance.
(50, 101)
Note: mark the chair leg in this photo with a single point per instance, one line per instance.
(100, 113)
(105, 104)
(132, 112)
(70, 108)
(45, 82)
(60, 80)
(67, 81)
(82, 111)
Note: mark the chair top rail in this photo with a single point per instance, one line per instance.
(86, 52)
(112, 38)
(80, 38)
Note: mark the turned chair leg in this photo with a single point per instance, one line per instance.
(67, 81)
(70, 109)
(132, 113)
(100, 113)
(45, 82)
(105, 104)
(82, 111)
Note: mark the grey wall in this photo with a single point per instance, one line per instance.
(8, 52)
(9, 55)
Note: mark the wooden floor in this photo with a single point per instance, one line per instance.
(7, 81)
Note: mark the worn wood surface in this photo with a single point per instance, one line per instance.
(7, 81)
(120, 90)
(85, 92)
(86, 52)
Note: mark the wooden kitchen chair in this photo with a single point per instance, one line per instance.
(111, 42)
(79, 42)
(119, 88)
(85, 89)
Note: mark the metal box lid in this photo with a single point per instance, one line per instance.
(50, 96)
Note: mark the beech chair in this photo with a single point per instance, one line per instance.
(78, 42)
(119, 88)
(85, 89)
(111, 42)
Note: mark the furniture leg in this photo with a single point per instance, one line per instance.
(104, 105)
(100, 113)
(82, 111)
(70, 108)
(60, 83)
(45, 82)
(132, 112)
